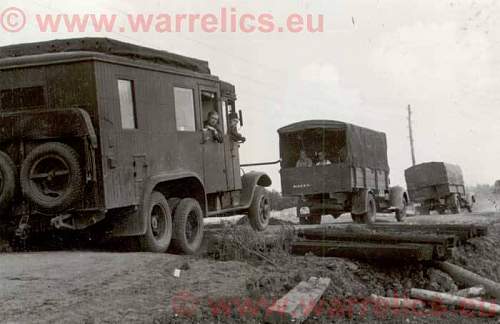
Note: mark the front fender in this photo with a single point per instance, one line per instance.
(396, 196)
(249, 182)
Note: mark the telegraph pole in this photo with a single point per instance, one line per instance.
(410, 127)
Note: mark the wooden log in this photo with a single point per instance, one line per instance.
(462, 302)
(408, 237)
(366, 250)
(472, 229)
(399, 303)
(297, 305)
(469, 278)
(471, 292)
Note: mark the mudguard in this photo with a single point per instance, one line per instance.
(396, 196)
(360, 202)
(249, 182)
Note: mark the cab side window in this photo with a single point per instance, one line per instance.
(209, 106)
(127, 104)
(184, 110)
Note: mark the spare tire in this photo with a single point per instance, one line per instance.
(51, 177)
(8, 178)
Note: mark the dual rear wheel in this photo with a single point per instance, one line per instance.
(180, 230)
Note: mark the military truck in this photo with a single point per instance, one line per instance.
(496, 187)
(438, 186)
(94, 131)
(335, 167)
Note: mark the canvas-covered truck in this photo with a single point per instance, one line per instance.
(335, 167)
(496, 187)
(438, 186)
(97, 132)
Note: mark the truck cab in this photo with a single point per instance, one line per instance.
(97, 132)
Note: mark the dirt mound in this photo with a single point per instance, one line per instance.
(481, 255)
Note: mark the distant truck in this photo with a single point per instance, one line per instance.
(496, 188)
(335, 167)
(96, 132)
(438, 186)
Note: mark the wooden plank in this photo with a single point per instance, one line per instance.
(366, 250)
(297, 305)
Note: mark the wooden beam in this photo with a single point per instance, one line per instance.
(367, 251)
(397, 302)
(363, 236)
(469, 278)
(297, 305)
(471, 292)
(462, 302)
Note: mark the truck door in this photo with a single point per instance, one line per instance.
(213, 151)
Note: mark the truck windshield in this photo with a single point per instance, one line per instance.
(316, 147)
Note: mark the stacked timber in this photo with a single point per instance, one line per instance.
(384, 241)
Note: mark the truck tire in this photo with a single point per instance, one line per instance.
(188, 227)
(8, 178)
(159, 225)
(356, 219)
(401, 213)
(260, 210)
(51, 177)
(370, 216)
(454, 204)
(172, 203)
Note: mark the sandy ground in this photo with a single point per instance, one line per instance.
(103, 287)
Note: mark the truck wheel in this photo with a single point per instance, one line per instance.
(51, 177)
(188, 226)
(401, 213)
(371, 214)
(260, 210)
(356, 219)
(172, 203)
(159, 225)
(8, 180)
(454, 203)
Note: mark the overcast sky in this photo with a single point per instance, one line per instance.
(373, 59)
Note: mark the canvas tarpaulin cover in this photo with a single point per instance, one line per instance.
(433, 174)
(366, 148)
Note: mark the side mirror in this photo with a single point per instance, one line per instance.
(240, 113)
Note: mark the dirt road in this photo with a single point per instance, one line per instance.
(88, 287)
(98, 287)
